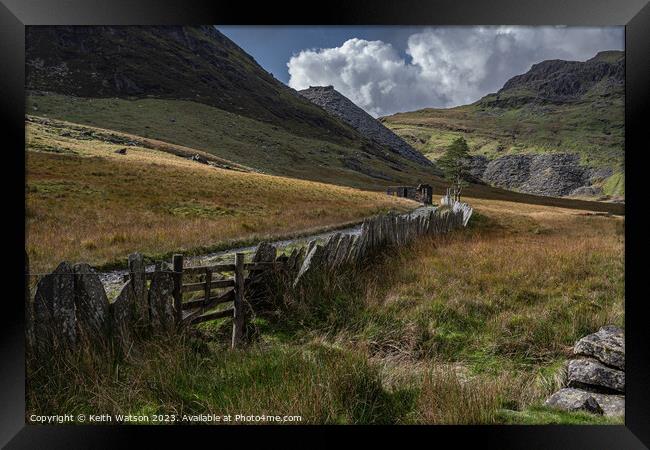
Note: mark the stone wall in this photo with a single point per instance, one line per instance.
(595, 380)
(379, 232)
(70, 309)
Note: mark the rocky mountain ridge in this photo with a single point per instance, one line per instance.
(340, 106)
(558, 81)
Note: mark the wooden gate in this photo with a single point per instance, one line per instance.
(232, 289)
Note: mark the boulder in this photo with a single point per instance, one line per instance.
(607, 345)
(591, 374)
(612, 405)
(200, 159)
(570, 399)
(586, 191)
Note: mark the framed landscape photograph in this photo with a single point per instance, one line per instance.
(418, 216)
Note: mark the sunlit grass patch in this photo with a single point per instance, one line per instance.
(98, 206)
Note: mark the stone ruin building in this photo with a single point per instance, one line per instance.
(421, 193)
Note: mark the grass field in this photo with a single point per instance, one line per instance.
(87, 203)
(472, 327)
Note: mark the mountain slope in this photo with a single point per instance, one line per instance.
(96, 196)
(560, 114)
(193, 86)
(340, 106)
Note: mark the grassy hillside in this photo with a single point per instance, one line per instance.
(198, 64)
(257, 145)
(263, 146)
(87, 203)
(537, 112)
(468, 328)
(563, 129)
(193, 86)
(595, 133)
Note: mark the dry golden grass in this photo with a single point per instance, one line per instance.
(520, 270)
(469, 328)
(503, 302)
(87, 203)
(481, 321)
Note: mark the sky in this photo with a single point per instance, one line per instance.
(389, 69)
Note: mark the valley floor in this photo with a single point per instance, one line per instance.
(472, 327)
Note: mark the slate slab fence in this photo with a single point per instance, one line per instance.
(70, 308)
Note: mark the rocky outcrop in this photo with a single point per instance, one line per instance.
(478, 166)
(606, 345)
(340, 106)
(596, 382)
(586, 191)
(570, 399)
(554, 174)
(591, 374)
(558, 81)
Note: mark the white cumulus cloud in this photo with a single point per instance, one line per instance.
(441, 67)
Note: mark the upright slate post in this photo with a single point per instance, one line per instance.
(239, 315)
(177, 263)
(139, 284)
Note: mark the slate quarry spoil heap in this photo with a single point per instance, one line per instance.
(596, 379)
(340, 106)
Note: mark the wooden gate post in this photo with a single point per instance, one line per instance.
(177, 263)
(239, 314)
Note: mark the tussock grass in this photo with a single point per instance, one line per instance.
(481, 320)
(168, 375)
(468, 328)
(91, 204)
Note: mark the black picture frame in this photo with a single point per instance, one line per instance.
(633, 14)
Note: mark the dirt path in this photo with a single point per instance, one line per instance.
(113, 279)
